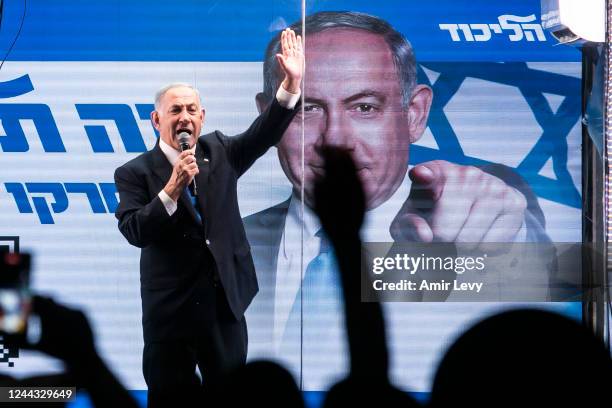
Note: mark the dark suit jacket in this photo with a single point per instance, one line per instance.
(175, 248)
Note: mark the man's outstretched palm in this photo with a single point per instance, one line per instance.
(291, 58)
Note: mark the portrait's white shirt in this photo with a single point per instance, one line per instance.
(289, 272)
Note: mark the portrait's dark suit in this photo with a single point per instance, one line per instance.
(264, 232)
(197, 277)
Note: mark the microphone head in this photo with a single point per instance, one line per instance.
(183, 140)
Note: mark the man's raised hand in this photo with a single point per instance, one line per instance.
(291, 60)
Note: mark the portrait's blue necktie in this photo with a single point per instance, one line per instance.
(317, 308)
(320, 283)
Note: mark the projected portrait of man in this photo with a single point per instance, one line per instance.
(361, 95)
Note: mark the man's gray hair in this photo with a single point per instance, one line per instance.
(162, 91)
(403, 55)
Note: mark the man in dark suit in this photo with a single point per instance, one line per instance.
(196, 271)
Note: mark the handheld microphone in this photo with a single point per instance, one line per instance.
(183, 140)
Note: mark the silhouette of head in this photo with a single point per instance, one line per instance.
(523, 357)
(261, 384)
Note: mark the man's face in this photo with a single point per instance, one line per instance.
(179, 111)
(353, 100)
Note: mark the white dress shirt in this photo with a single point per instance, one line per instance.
(289, 264)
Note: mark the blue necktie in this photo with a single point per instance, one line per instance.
(194, 203)
(319, 301)
(320, 285)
